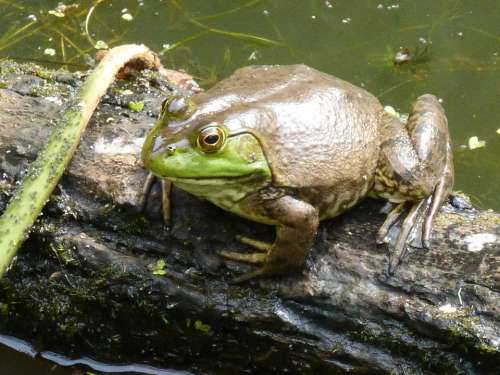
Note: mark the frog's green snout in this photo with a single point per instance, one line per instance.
(156, 147)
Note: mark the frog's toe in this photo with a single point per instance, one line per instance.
(146, 191)
(256, 244)
(261, 272)
(393, 217)
(253, 258)
(398, 251)
(166, 188)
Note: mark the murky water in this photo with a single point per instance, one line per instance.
(454, 48)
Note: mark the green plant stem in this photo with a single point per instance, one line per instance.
(45, 172)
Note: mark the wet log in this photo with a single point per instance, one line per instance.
(98, 278)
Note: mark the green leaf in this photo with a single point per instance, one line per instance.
(200, 326)
(159, 268)
(136, 106)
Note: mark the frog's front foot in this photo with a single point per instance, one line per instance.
(298, 222)
(253, 258)
(166, 188)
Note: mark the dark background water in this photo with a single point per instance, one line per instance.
(454, 45)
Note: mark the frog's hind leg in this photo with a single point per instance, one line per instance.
(440, 194)
(415, 169)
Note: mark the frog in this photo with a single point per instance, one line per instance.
(290, 146)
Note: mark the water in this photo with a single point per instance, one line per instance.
(455, 46)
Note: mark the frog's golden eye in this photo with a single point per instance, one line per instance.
(211, 139)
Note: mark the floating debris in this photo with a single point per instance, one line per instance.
(253, 56)
(127, 17)
(498, 131)
(474, 143)
(100, 44)
(60, 10)
(50, 51)
(56, 13)
(402, 56)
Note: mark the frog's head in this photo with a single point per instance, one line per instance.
(182, 147)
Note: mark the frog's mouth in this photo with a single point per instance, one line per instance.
(217, 180)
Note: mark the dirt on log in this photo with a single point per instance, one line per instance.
(98, 278)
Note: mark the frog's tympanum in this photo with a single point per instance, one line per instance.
(290, 146)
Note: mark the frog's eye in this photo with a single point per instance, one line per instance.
(211, 139)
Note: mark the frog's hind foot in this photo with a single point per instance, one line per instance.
(415, 168)
(404, 227)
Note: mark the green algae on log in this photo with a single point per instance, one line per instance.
(45, 172)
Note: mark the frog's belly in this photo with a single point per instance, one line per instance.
(336, 200)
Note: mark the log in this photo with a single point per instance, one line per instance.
(99, 278)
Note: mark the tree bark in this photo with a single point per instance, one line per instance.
(99, 278)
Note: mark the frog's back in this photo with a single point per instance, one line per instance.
(319, 133)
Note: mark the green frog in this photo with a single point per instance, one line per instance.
(290, 146)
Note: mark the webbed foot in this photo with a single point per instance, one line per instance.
(415, 168)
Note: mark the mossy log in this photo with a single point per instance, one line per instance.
(99, 278)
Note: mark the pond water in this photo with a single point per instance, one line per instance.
(454, 48)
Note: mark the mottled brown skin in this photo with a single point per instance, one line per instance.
(328, 144)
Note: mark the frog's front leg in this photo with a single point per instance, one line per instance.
(416, 167)
(295, 232)
(166, 188)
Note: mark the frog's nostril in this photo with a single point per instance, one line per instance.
(171, 149)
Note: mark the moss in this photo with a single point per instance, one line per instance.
(43, 91)
(63, 254)
(4, 309)
(487, 349)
